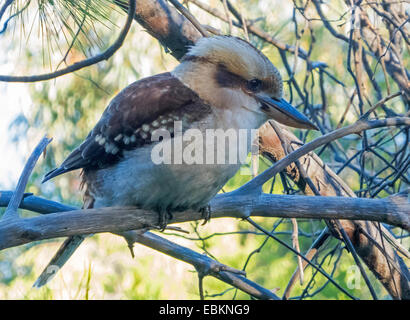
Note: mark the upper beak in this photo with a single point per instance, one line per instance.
(283, 112)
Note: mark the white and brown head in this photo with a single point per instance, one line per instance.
(229, 72)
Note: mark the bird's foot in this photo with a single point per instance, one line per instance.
(164, 217)
(206, 213)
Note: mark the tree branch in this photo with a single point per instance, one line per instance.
(202, 263)
(84, 63)
(366, 238)
(11, 211)
(394, 211)
(357, 127)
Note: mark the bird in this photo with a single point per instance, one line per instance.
(222, 82)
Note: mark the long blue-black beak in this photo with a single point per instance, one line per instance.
(283, 112)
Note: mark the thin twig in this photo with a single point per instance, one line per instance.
(310, 255)
(4, 7)
(302, 256)
(190, 17)
(11, 211)
(356, 259)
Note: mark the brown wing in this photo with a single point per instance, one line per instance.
(129, 119)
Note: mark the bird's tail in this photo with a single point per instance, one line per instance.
(64, 252)
(59, 259)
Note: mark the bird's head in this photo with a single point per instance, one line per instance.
(225, 69)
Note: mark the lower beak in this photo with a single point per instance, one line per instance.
(283, 112)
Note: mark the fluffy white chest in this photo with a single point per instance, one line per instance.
(138, 181)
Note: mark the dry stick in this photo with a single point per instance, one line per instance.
(295, 239)
(326, 22)
(339, 226)
(356, 259)
(295, 244)
(386, 79)
(313, 250)
(258, 249)
(380, 103)
(337, 182)
(310, 254)
(349, 104)
(190, 17)
(201, 286)
(212, 30)
(4, 7)
(245, 28)
(394, 67)
(357, 127)
(251, 28)
(343, 235)
(331, 253)
(357, 57)
(215, 12)
(84, 63)
(228, 17)
(340, 229)
(303, 257)
(11, 211)
(203, 264)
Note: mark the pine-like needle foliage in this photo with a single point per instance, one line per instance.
(62, 30)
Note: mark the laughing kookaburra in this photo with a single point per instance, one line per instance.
(221, 83)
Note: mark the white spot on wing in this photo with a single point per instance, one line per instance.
(118, 138)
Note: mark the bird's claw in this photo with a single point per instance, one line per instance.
(131, 247)
(206, 213)
(164, 218)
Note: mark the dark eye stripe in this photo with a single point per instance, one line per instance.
(228, 79)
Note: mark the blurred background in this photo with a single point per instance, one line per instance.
(43, 35)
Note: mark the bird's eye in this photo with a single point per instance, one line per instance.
(254, 85)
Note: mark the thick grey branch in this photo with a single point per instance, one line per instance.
(202, 263)
(14, 232)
